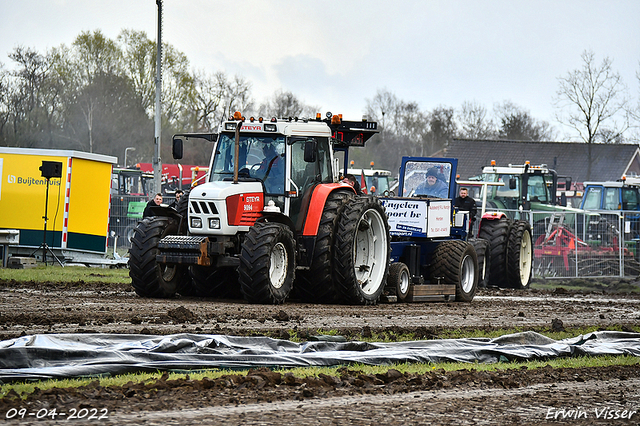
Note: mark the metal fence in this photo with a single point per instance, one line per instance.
(572, 245)
(126, 212)
(597, 244)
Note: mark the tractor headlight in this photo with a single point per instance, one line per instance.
(196, 222)
(214, 223)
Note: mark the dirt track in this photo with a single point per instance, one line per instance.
(514, 397)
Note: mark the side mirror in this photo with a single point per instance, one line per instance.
(177, 149)
(310, 148)
(512, 183)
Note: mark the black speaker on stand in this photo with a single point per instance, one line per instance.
(49, 169)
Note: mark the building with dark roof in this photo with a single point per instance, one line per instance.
(609, 162)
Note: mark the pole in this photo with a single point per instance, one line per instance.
(44, 239)
(157, 161)
(126, 150)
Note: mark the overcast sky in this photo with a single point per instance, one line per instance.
(337, 54)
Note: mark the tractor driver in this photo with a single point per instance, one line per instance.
(272, 169)
(432, 186)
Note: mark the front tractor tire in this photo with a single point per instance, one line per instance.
(456, 262)
(267, 263)
(148, 277)
(361, 252)
(520, 255)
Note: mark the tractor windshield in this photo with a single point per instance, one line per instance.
(427, 179)
(260, 157)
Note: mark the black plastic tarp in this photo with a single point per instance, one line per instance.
(74, 355)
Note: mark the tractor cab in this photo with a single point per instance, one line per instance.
(267, 166)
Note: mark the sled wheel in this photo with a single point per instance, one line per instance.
(267, 263)
(520, 255)
(148, 277)
(215, 282)
(496, 231)
(361, 252)
(483, 251)
(399, 279)
(455, 262)
(316, 284)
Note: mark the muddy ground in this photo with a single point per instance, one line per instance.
(542, 396)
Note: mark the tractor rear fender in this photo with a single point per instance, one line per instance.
(316, 205)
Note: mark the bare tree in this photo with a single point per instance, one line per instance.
(205, 103)
(237, 98)
(385, 109)
(27, 101)
(4, 100)
(286, 104)
(591, 98)
(517, 124)
(442, 129)
(474, 123)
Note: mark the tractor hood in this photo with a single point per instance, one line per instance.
(224, 208)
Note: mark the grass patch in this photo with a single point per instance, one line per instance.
(24, 389)
(67, 274)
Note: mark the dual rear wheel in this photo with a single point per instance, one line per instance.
(511, 252)
(353, 240)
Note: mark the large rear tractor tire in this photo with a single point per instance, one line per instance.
(483, 251)
(496, 231)
(399, 280)
(209, 281)
(361, 252)
(150, 278)
(267, 263)
(316, 284)
(456, 262)
(520, 255)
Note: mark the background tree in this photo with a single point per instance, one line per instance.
(26, 101)
(474, 123)
(4, 98)
(442, 128)
(518, 125)
(592, 98)
(286, 104)
(237, 98)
